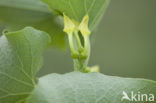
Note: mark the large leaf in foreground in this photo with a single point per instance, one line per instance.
(16, 14)
(77, 9)
(78, 87)
(20, 59)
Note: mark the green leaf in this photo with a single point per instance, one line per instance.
(20, 59)
(77, 9)
(16, 14)
(78, 87)
(35, 5)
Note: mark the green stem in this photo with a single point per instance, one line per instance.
(78, 41)
(79, 53)
(80, 64)
(70, 37)
(73, 51)
(86, 46)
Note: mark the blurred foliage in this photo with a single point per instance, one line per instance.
(17, 14)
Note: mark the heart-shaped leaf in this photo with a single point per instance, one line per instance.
(20, 59)
(16, 14)
(78, 87)
(77, 9)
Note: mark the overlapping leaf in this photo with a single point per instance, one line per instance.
(20, 59)
(77, 9)
(78, 87)
(16, 14)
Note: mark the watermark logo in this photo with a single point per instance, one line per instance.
(132, 96)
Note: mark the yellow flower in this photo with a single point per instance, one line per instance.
(83, 27)
(69, 26)
(92, 69)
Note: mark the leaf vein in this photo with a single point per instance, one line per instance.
(85, 6)
(3, 90)
(17, 80)
(2, 97)
(91, 6)
(103, 5)
(30, 53)
(23, 67)
(73, 11)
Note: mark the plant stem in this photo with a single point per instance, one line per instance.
(80, 63)
(71, 44)
(78, 41)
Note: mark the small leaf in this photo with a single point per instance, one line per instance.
(77, 9)
(78, 87)
(20, 59)
(17, 14)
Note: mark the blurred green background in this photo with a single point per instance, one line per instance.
(124, 43)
